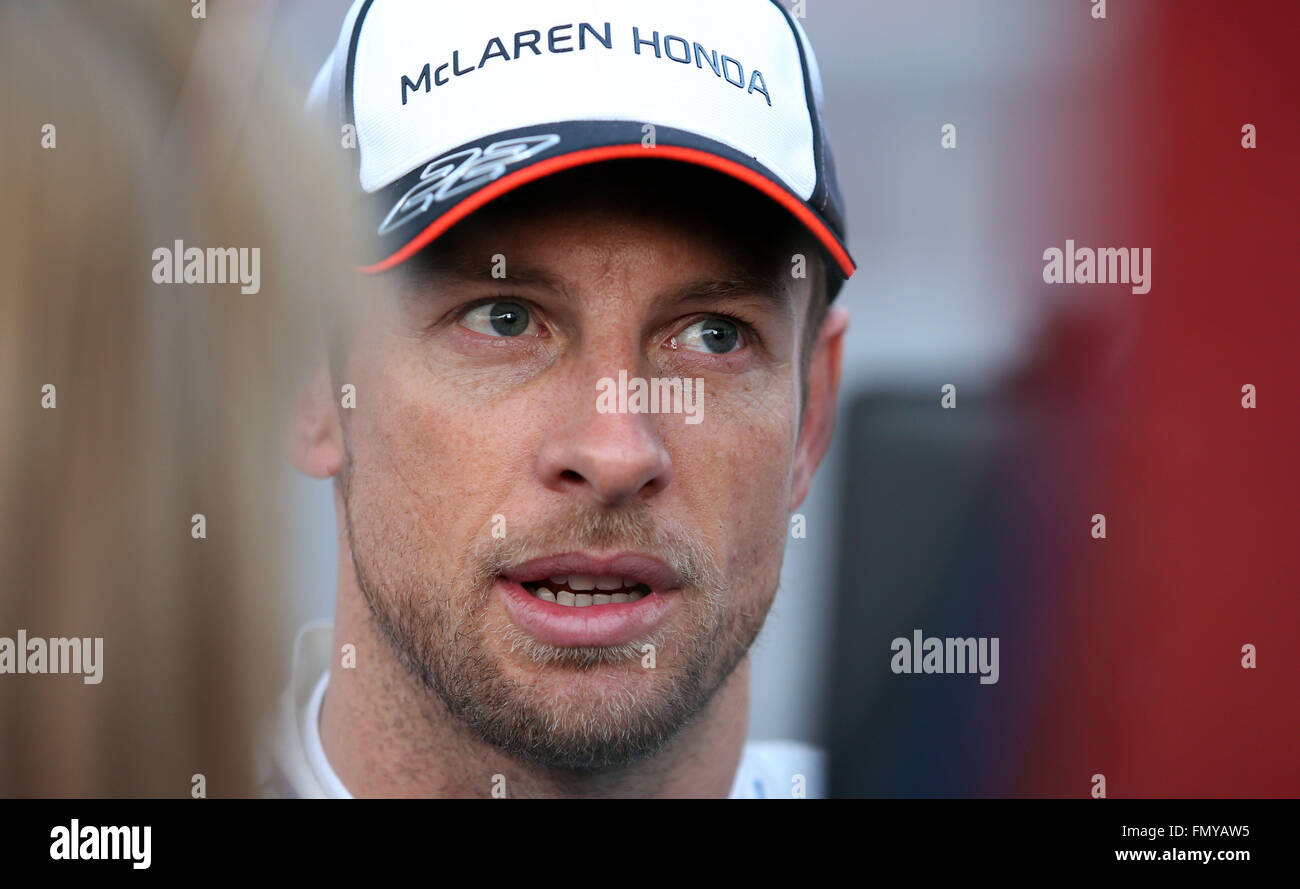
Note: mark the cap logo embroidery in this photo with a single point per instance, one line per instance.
(463, 171)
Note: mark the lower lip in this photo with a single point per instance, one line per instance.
(594, 626)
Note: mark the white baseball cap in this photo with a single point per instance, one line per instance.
(453, 104)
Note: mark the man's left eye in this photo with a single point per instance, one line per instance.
(508, 319)
(715, 335)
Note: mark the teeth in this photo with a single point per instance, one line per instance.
(610, 583)
(582, 582)
(560, 581)
(584, 600)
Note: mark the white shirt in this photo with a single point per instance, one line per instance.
(297, 765)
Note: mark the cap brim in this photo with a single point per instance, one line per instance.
(436, 195)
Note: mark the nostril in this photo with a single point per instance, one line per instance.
(569, 475)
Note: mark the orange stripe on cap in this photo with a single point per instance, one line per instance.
(610, 152)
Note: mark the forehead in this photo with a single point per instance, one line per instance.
(658, 210)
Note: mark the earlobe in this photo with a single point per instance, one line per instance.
(314, 438)
(819, 413)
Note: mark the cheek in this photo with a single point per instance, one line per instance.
(735, 469)
(432, 451)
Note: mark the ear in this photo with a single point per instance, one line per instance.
(314, 439)
(819, 412)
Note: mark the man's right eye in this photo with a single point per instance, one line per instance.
(500, 319)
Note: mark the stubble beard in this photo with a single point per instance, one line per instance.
(442, 635)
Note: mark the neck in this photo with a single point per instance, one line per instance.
(386, 735)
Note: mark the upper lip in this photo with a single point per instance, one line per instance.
(632, 567)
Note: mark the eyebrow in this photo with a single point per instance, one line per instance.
(461, 267)
(769, 289)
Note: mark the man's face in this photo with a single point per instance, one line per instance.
(486, 489)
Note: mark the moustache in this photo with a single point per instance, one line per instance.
(584, 529)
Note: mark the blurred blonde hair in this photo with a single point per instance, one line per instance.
(171, 399)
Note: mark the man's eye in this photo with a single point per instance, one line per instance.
(716, 335)
(499, 319)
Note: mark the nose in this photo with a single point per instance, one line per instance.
(609, 459)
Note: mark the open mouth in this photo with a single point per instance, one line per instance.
(585, 590)
(578, 599)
